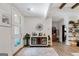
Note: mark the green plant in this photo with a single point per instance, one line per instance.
(27, 36)
(26, 39)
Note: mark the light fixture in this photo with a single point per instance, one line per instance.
(15, 15)
(30, 9)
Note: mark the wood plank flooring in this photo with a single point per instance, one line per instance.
(60, 49)
(37, 51)
(64, 50)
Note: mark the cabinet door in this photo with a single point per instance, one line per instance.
(5, 39)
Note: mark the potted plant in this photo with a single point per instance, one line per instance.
(26, 39)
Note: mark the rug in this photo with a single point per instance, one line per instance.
(38, 51)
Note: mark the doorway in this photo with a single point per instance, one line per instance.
(63, 33)
(54, 34)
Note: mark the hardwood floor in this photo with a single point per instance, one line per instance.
(57, 48)
(64, 50)
(37, 51)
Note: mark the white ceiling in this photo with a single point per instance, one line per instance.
(33, 9)
(57, 14)
(45, 10)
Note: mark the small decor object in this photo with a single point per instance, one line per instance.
(34, 34)
(17, 42)
(39, 27)
(77, 30)
(26, 39)
(74, 34)
(71, 22)
(70, 30)
(40, 34)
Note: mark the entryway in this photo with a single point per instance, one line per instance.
(63, 34)
(58, 31)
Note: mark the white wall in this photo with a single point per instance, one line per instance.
(49, 28)
(55, 24)
(60, 30)
(31, 23)
(6, 39)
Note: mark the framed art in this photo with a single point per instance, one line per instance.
(5, 19)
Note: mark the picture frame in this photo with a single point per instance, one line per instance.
(5, 19)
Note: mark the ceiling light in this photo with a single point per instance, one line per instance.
(30, 9)
(15, 15)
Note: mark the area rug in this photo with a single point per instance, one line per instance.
(38, 51)
(75, 54)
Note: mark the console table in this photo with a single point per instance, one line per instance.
(38, 41)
